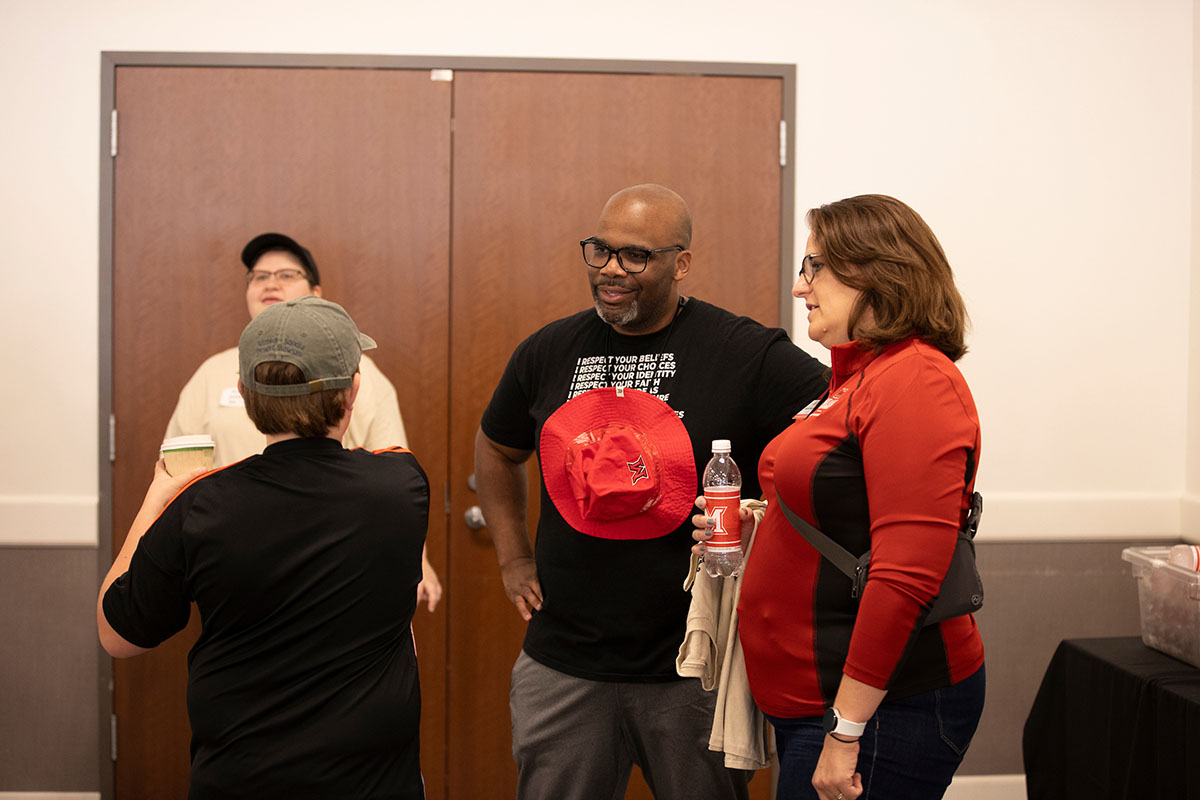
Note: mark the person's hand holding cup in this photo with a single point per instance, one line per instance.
(184, 454)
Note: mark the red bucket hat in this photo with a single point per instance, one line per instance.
(618, 464)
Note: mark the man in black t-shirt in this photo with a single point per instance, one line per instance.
(595, 689)
(303, 563)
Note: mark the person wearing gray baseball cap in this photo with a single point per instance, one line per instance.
(314, 335)
(278, 269)
(303, 562)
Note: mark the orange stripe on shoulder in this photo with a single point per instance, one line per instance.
(396, 449)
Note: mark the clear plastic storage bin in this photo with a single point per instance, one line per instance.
(1169, 601)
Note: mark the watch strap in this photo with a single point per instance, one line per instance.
(844, 727)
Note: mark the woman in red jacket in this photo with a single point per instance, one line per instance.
(865, 699)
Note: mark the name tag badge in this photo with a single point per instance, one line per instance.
(804, 412)
(231, 398)
(813, 410)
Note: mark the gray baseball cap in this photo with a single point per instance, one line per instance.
(316, 335)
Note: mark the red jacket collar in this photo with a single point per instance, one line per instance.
(850, 358)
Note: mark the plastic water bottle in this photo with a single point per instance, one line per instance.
(722, 499)
(1183, 555)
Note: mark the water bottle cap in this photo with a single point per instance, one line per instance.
(720, 446)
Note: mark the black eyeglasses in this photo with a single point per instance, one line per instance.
(597, 254)
(290, 275)
(809, 266)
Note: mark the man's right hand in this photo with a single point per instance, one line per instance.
(501, 483)
(522, 587)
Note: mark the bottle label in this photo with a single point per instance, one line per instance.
(722, 503)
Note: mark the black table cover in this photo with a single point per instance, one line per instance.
(1114, 719)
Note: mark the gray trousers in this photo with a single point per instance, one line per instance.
(575, 739)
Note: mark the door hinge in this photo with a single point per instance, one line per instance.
(113, 733)
(783, 142)
(112, 438)
(112, 135)
(446, 498)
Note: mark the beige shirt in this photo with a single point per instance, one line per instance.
(210, 403)
(711, 652)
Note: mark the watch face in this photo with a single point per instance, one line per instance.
(830, 721)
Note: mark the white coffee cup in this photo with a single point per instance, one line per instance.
(186, 453)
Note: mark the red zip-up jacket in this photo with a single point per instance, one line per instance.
(886, 461)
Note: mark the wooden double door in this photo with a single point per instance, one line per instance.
(444, 212)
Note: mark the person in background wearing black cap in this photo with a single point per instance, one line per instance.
(303, 562)
(278, 268)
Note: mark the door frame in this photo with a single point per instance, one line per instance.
(110, 61)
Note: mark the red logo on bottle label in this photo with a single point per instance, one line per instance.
(721, 503)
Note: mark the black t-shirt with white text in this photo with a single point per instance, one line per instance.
(615, 610)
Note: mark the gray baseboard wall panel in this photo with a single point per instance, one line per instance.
(1036, 596)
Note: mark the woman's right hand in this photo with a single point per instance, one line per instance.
(704, 525)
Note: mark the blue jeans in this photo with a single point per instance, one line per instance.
(909, 751)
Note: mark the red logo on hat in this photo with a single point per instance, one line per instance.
(638, 470)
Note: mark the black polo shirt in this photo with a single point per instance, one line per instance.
(303, 563)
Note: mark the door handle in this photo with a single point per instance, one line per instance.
(474, 518)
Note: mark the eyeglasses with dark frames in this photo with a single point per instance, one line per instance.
(597, 254)
(289, 275)
(809, 266)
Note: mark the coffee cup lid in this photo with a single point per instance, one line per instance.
(187, 442)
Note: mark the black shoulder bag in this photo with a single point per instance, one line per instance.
(962, 589)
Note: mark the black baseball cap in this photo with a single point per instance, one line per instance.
(260, 244)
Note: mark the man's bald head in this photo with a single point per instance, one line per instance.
(660, 206)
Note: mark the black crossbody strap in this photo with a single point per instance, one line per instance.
(838, 555)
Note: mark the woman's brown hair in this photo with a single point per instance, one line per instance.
(308, 415)
(880, 246)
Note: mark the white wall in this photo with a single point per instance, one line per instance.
(1191, 504)
(1048, 142)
